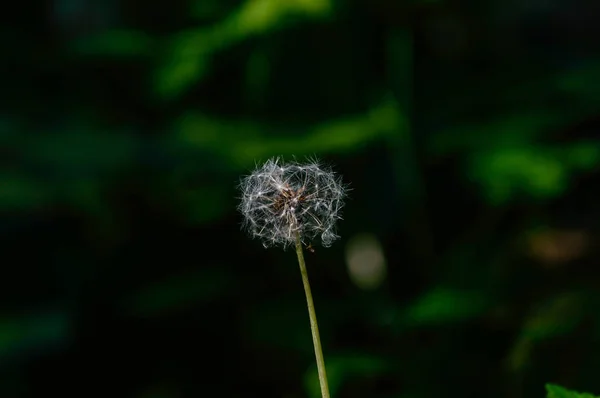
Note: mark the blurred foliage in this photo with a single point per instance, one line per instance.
(559, 392)
(442, 306)
(341, 368)
(468, 132)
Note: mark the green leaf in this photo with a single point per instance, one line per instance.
(443, 305)
(179, 73)
(530, 170)
(260, 16)
(554, 391)
(244, 142)
(191, 52)
(504, 173)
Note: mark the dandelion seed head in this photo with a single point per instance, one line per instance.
(280, 200)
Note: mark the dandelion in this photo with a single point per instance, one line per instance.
(283, 201)
(294, 204)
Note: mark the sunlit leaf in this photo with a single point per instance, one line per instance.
(554, 391)
(532, 171)
(263, 15)
(190, 55)
(506, 172)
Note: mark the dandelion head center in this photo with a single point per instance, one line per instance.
(289, 201)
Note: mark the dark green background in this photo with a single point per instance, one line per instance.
(467, 130)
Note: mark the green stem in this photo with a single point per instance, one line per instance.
(314, 327)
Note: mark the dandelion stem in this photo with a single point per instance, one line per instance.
(314, 327)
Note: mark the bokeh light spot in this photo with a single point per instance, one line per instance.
(366, 262)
